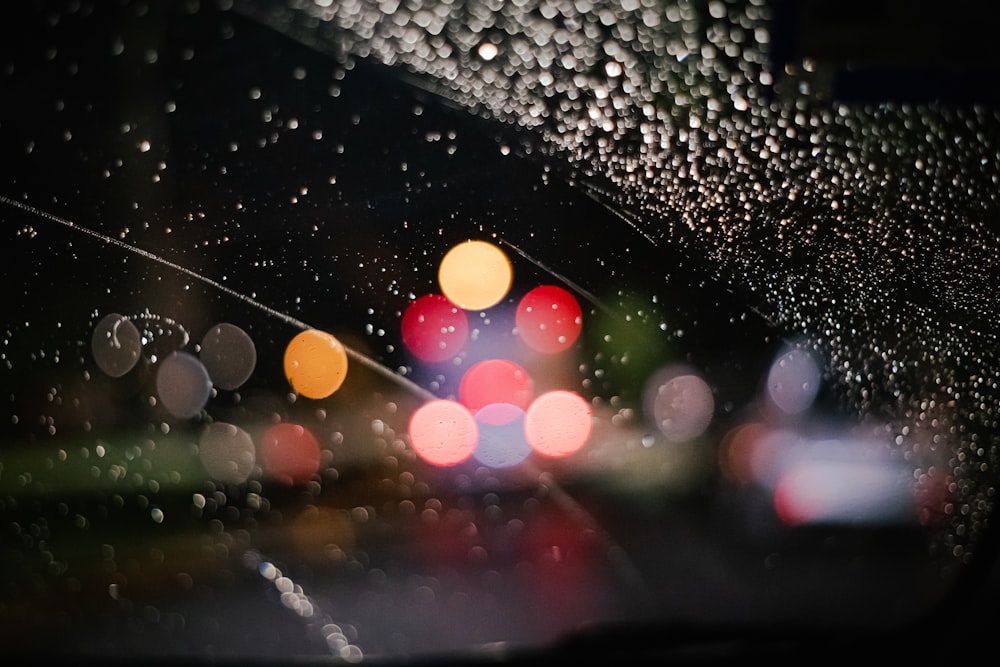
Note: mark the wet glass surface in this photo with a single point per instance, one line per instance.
(384, 330)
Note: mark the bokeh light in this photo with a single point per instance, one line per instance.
(681, 403)
(433, 328)
(502, 442)
(475, 275)
(315, 363)
(183, 385)
(229, 354)
(738, 449)
(226, 452)
(116, 345)
(641, 337)
(487, 51)
(495, 381)
(769, 454)
(793, 381)
(844, 490)
(558, 423)
(443, 432)
(549, 319)
(798, 498)
(289, 453)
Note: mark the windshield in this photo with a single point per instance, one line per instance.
(394, 329)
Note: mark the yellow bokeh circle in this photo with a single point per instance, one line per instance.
(475, 275)
(315, 363)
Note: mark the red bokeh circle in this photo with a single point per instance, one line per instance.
(495, 381)
(433, 328)
(548, 319)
